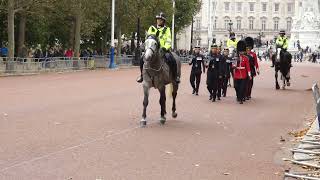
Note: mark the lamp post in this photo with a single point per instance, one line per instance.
(230, 26)
(173, 6)
(112, 64)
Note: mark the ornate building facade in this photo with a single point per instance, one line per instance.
(261, 19)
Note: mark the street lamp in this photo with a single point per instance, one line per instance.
(112, 64)
(173, 6)
(230, 26)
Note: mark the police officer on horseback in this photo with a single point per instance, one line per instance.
(164, 36)
(283, 43)
(232, 42)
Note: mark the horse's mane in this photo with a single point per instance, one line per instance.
(154, 37)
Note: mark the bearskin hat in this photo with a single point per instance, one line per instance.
(241, 46)
(249, 42)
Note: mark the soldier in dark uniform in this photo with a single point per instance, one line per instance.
(228, 71)
(254, 66)
(214, 74)
(197, 63)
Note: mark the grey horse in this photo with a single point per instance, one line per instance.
(157, 74)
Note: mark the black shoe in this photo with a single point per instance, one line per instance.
(224, 95)
(178, 80)
(140, 79)
(219, 98)
(240, 102)
(194, 91)
(197, 94)
(213, 100)
(210, 98)
(247, 98)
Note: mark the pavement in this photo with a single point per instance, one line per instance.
(85, 125)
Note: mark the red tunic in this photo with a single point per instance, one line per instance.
(242, 68)
(256, 64)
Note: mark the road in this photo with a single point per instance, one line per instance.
(85, 125)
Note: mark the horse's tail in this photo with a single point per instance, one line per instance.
(169, 90)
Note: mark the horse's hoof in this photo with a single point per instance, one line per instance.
(174, 115)
(288, 83)
(283, 87)
(277, 87)
(143, 123)
(162, 120)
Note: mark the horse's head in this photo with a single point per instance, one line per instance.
(151, 47)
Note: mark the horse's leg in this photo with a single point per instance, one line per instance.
(162, 102)
(146, 90)
(276, 76)
(174, 96)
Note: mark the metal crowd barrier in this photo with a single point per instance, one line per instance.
(58, 64)
(316, 95)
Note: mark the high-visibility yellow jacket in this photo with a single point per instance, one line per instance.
(231, 43)
(282, 42)
(164, 36)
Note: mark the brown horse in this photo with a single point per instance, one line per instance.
(157, 74)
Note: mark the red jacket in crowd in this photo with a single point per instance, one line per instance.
(256, 64)
(242, 68)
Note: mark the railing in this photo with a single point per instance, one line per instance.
(20, 66)
(316, 95)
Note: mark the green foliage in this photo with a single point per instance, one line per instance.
(48, 20)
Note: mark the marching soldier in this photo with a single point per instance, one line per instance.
(254, 66)
(241, 72)
(197, 63)
(228, 71)
(214, 74)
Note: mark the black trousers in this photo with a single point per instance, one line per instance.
(225, 85)
(195, 79)
(240, 87)
(214, 87)
(249, 87)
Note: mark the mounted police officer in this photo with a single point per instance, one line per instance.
(164, 36)
(283, 43)
(232, 42)
(197, 63)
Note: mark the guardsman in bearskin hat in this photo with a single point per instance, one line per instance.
(241, 71)
(197, 63)
(254, 66)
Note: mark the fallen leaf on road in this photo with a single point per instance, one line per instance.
(252, 154)
(282, 139)
(226, 173)
(276, 173)
(304, 76)
(196, 165)
(168, 152)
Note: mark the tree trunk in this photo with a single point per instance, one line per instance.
(71, 35)
(11, 29)
(77, 35)
(22, 32)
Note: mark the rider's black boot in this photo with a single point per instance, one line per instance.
(140, 78)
